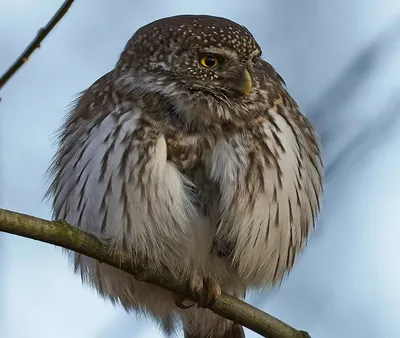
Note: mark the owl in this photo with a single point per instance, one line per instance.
(191, 156)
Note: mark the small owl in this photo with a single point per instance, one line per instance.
(189, 155)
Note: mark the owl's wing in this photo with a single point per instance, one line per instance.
(110, 177)
(270, 183)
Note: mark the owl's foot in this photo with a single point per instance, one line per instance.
(208, 290)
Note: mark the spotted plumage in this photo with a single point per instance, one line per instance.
(206, 168)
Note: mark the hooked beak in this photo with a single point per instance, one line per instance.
(247, 84)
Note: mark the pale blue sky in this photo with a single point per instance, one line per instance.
(341, 62)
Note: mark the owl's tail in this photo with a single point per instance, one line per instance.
(209, 325)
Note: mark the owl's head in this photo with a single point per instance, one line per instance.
(203, 57)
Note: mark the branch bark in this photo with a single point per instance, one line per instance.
(64, 235)
(42, 33)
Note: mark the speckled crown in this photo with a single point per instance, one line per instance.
(160, 37)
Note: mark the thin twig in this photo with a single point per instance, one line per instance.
(62, 234)
(42, 33)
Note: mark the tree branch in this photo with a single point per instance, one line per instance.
(62, 234)
(42, 33)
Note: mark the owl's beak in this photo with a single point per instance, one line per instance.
(247, 84)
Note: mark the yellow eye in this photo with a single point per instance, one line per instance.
(209, 61)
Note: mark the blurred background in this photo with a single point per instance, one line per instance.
(341, 62)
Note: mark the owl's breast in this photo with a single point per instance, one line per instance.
(187, 152)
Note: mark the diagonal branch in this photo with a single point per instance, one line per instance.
(42, 33)
(62, 234)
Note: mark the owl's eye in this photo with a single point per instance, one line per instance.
(209, 61)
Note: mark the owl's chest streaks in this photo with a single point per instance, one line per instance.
(185, 151)
(189, 153)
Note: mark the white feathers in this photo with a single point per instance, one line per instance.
(225, 163)
(122, 189)
(265, 227)
(115, 182)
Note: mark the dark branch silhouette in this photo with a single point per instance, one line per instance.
(42, 33)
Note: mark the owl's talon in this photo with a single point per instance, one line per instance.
(208, 290)
(180, 302)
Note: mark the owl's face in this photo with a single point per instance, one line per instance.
(202, 57)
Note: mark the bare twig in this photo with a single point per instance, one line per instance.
(42, 33)
(62, 234)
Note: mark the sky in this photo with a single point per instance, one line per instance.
(341, 62)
